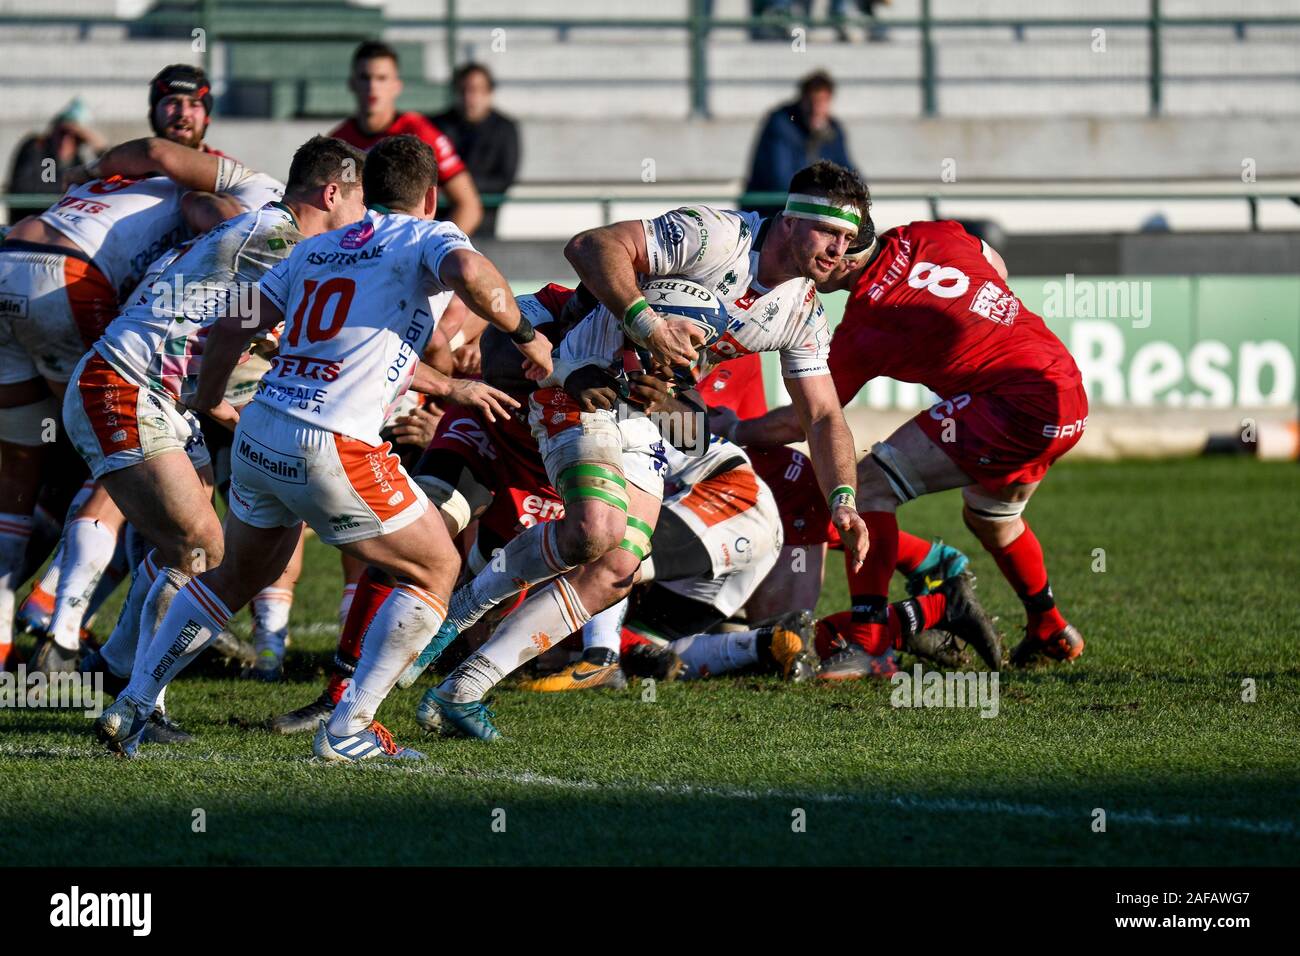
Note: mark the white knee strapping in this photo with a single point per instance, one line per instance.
(446, 499)
(903, 478)
(983, 505)
(27, 424)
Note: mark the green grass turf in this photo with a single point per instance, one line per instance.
(1198, 593)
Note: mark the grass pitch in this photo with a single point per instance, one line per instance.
(1198, 594)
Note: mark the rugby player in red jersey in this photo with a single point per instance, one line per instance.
(376, 84)
(929, 303)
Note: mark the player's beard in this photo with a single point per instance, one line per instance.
(191, 136)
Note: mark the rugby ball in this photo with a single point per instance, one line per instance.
(681, 299)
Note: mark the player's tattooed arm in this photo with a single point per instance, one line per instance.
(831, 448)
(485, 291)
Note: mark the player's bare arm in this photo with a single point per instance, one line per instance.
(203, 210)
(226, 342)
(995, 260)
(608, 260)
(830, 446)
(466, 206)
(438, 352)
(481, 286)
(780, 426)
(150, 156)
(490, 401)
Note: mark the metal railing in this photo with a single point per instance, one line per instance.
(698, 25)
(1250, 193)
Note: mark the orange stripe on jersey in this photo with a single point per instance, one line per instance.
(91, 298)
(110, 402)
(723, 496)
(376, 475)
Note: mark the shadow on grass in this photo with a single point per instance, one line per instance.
(390, 816)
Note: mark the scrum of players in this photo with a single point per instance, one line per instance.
(575, 487)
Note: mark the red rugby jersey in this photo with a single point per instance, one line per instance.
(449, 161)
(932, 309)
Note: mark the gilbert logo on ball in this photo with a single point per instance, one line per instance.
(682, 299)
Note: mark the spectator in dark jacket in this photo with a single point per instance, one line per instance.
(41, 159)
(796, 135)
(488, 141)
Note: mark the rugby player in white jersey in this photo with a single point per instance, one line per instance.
(63, 274)
(359, 305)
(608, 463)
(125, 409)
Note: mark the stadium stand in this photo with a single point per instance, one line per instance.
(1005, 96)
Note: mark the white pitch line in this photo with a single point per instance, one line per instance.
(793, 797)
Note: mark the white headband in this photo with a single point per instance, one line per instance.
(821, 209)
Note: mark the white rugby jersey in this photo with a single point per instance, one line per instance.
(360, 304)
(715, 248)
(157, 338)
(125, 224)
(720, 455)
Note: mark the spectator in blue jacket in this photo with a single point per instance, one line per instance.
(796, 135)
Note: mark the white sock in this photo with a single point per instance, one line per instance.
(88, 548)
(271, 608)
(708, 655)
(345, 603)
(166, 585)
(117, 569)
(547, 617)
(529, 559)
(606, 628)
(400, 629)
(194, 618)
(14, 532)
(49, 582)
(119, 650)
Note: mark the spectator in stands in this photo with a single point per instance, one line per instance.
(488, 141)
(796, 135)
(42, 158)
(376, 84)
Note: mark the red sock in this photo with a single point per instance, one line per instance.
(630, 639)
(1021, 563)
(915, 615)
(911, 551)
(832, 632)
(365, 605)
(337, 685)
(869, 586)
